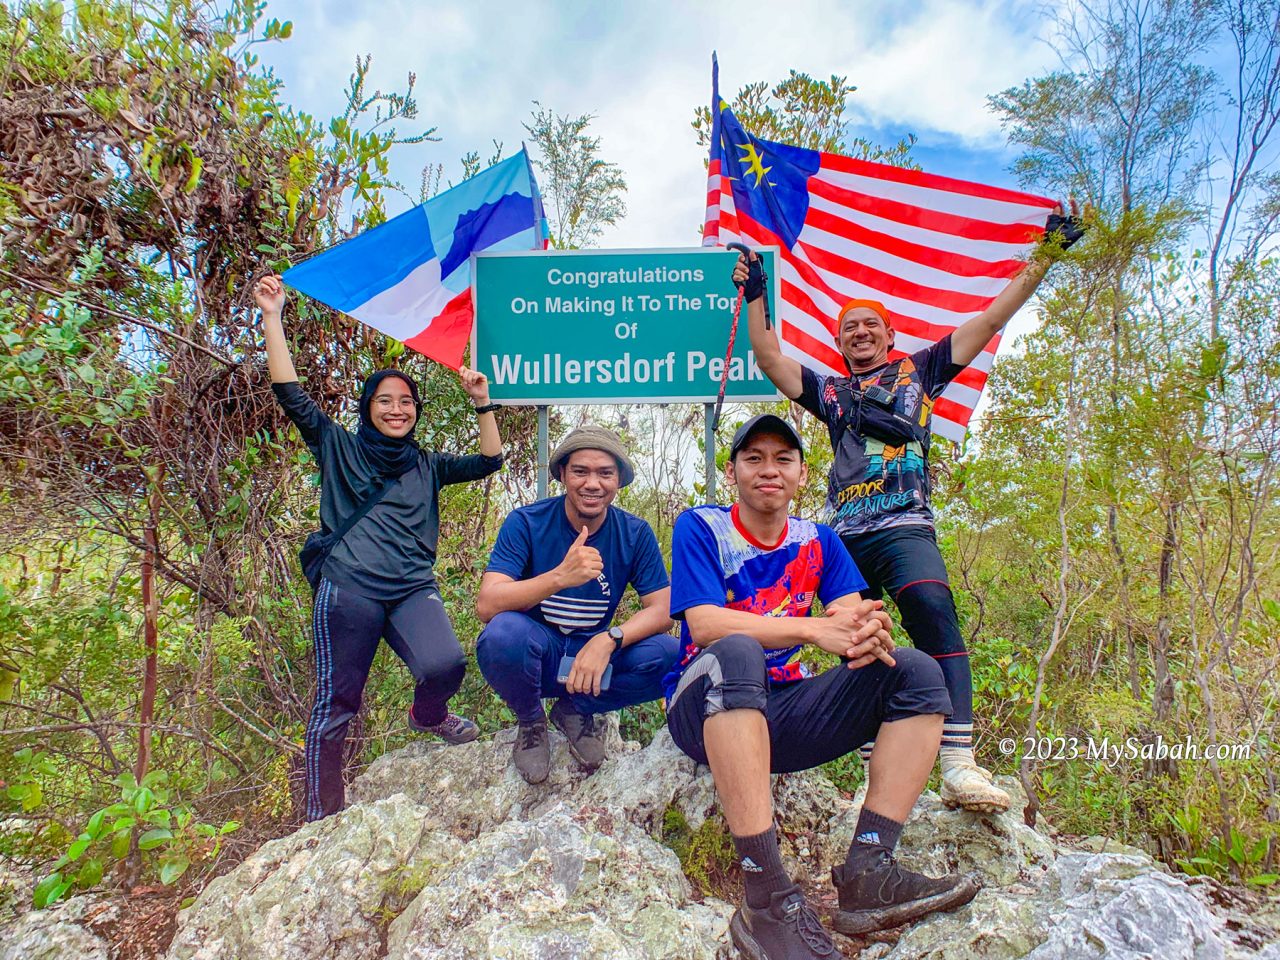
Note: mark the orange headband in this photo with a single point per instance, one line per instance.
(875, 305)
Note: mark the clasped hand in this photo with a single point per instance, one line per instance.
(859, 632)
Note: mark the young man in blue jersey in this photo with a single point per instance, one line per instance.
(742, 700)
(879, 419)
(555, 578)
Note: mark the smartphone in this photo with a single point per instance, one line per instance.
(566, 664)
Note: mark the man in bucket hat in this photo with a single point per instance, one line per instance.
(555, 578)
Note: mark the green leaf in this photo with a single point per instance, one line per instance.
(77, 848)
(94, 827)
(90, 874)
(49, 890)
(120, 845)
(155, 838)
(172, 869)
(34, 797)
(143, 800)
(231, 826)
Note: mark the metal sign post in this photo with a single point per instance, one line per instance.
(544, 452)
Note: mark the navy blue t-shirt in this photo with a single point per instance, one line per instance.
(534, 540)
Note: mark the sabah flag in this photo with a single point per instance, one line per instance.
(934, 250)
(410, 277)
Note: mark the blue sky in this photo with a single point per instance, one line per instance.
(640, 68)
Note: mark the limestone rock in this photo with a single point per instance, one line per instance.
(327, 890)
(564, 886)
(1085, 906)
(1000, 848)
(446, 854)
(61, 932)
(475, 786)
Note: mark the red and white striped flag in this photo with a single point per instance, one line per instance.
(934, 250)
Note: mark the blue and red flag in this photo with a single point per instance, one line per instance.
(410, 277)
(934, 250)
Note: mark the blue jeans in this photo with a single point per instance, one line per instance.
(519, 656)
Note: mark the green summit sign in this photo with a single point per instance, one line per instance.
(616, 326)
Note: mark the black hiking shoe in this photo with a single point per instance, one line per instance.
(582, 732)
(532, 752)
(787, 930)
(878, 894)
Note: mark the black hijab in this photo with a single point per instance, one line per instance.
(390, 456)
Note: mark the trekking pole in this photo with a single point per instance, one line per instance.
(733, 336)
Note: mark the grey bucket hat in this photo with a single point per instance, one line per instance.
(590, 436)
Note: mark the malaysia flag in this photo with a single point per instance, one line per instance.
(410, 277)
(934, 250)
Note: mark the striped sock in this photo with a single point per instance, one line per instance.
(957, 735)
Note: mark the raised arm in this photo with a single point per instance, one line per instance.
(268, 294)
(476, 384)
(971, 336)
(782, 370)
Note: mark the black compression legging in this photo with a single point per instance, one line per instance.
(904, 563)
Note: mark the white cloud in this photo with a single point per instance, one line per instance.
(642, 68)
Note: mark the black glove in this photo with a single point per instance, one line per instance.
(1068, 229)
(754, 287)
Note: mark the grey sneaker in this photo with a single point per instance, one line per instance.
(532, 752)
(878, 894)
(787, 930)
(452, 729)
(582, 732)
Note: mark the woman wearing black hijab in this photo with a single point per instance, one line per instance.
(378, 581)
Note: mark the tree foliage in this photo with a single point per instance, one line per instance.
(804, 112)
(583, 192)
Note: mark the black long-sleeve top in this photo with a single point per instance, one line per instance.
(391, 552)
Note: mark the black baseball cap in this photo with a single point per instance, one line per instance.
(765, 423)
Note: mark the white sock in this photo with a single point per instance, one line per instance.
(956, 757)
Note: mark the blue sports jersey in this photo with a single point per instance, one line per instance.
(534, 540)
(715, 560)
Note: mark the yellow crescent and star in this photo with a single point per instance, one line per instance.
(751, 157)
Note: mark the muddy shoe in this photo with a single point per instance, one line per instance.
(532, 752)
(787, 930)
(584, 734)
(452, 729)
(967, 785)
(877, 893)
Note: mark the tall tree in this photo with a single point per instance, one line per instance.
(583, 192)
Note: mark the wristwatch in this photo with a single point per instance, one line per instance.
(615, 634)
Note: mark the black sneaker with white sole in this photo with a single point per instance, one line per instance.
(877, 893)
(787, 930)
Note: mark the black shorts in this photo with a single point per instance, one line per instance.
(810, 721)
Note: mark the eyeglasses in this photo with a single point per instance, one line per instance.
(386, 403)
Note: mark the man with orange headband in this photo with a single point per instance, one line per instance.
(878, 419)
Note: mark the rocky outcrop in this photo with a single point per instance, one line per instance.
(62, 932)
(445, 852)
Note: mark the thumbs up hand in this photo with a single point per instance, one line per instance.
(581, 563)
